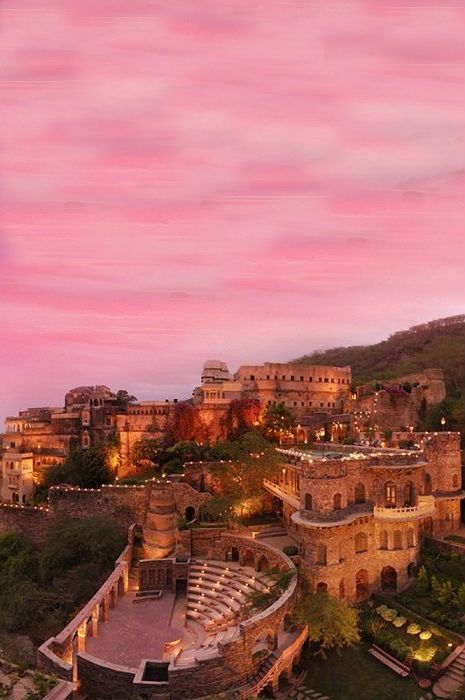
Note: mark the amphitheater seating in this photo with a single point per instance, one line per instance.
(216, 601)
(217, 593)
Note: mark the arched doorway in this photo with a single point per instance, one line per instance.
(361, 584)
(360, 496)
(263, 565)
(408, 495)
(189, 513)
(389, 579)
(234, 554)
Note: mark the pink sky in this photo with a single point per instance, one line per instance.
(246, 180)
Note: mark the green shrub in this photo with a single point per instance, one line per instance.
(291, 550)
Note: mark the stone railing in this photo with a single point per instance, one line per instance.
(58, 653)
(283, 662)
(424, 508)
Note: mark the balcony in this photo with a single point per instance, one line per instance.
(286, 496)
(424, 509)
(343, 516)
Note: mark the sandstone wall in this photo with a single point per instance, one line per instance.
(32, 522)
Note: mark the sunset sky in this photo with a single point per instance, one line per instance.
(246, 180)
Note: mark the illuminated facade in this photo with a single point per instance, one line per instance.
(359, 514)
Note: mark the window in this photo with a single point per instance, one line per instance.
(390, 494)
(361, 543)
(455, 481)
(292, 377)
(411, 537)
(301, 379)
(397, 539)
(408, 495)
(337, 501)
(427, 484)
(283, 377)
(383, 540)
(252, 377)
(320, 379)
(308, 501)
(321, 554)
(326, 380)
(341, 552)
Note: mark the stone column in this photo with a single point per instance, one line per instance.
(95, 617)
(82, 634)
(126, 579)
(106, 608)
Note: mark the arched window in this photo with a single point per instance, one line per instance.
(455, 481)
(383, 539)
(361, 584)
(390, 494)
(337, 501)
(360, 495)
(427, 484)
(342, 590)
(411, 537)
(389, 579)
(361, 542)
(321, 554)
(308, 501)
(398, 539)
(341, 552)
(408, 495)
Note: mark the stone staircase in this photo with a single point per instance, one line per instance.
(245, 690)
(453, 679)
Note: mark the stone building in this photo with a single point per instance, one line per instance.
(386, 404)
(178, 624)
(358, 513)
(17, 481)
(302, 388)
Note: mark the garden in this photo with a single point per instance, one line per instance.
(409, 638)
(438, 592)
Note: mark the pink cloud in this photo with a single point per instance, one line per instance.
(241, 179)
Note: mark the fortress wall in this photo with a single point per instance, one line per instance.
(124, 503)
(27, 520)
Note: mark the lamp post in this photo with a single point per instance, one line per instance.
(443, 423)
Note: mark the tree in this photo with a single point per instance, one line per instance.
(278, 423)
(186, 425)
(85, 468)
(146, 451)
(459, 598)
(243, 415)
(124, 399)
(262, 599)
(422, 582)
(252, 459)
(331, 622)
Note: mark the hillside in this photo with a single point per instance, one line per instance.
(440, 343)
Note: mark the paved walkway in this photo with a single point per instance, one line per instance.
(135, 631)
(453, 679)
